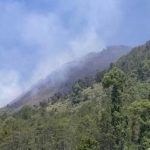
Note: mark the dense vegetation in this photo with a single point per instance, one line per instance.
(108, 112)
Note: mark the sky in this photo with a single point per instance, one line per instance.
(37, 36)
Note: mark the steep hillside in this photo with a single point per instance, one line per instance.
(62, 79)
(108, 114)
(137, 62)
(87, 124)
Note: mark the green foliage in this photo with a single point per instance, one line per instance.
(76, 93)
(112, 115)
(116, 79)
(44, 128)
(137, 61)
(25, 113)
(140, 113)
(88, 144)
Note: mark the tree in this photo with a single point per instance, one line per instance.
(106, 138)
(140, 116)
(115, 80)
(43, 103)
(76, 93)
(88, 144)
(99, 76)
(25, 113)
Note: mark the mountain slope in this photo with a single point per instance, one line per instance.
(137, 62)
(62, 79)
(69, 125)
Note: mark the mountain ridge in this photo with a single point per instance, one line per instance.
(62, 79)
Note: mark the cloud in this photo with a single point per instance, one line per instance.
(38, 41)
(9, 86)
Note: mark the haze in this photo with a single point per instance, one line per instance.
(38, 36)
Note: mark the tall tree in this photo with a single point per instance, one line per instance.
(115, 80)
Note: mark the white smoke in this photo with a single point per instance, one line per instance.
(69, 31)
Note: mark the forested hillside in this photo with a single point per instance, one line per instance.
(110, 111)
(137, 62)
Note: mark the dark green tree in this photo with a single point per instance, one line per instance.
(76, 93)
(115, 80)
